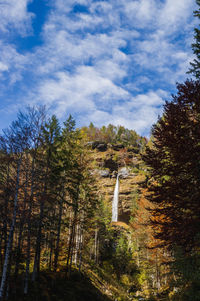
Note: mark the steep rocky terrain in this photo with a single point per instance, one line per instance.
(108, 160)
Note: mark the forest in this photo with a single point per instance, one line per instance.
(58, 240)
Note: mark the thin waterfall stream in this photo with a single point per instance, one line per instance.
(115, 201)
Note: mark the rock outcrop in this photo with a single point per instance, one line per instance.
(100, 146)
(107, 164)
(110, 164)
(123, 172)
(117, 147)
(101, 172)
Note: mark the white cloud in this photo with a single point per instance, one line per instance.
(141, 12)
(95, 99)
(3, 67)
(14, 14)
(83, 91)
(140, 112)
(175, 14)
(66, 6)
(104, 65)
(90, 47)
(12, 62)
(15, 19)
(139, 117)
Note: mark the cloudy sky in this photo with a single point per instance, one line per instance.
(111, 61)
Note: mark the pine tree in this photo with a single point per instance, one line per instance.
(51, 133)
(174, 162)
(16, 140)
(195, 65)
(174, 186)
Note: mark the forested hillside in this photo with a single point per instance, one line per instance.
(102, 213)
(57, 234)
(57, 187)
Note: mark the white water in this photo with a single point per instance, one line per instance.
(115, 202)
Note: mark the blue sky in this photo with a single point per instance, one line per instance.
(106, 62)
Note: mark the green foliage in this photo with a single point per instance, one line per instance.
(114, 135)
(174, 185)
(173, 160)
(116, 252)
(195, 65)
(62, 215)
(186, 268)
(55, 287)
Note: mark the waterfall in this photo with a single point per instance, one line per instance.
(115, 202)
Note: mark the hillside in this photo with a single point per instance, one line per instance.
(58, 238)
(108, 160)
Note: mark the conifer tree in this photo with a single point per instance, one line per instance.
(174, 168)
(174, 186)
(16, 140)
(195, 65)
(51, 133)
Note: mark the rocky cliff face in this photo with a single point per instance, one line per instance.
(109, 160)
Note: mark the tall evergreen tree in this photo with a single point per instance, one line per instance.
(174, 162)
(16, 141)
(195, 65)
(51, 133)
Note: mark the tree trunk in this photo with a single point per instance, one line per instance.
(11, 233)
(6, 208)
(52, 239)
(71, 244)
(22, 221)
(51, 251)
(58, 234)
(36, 267)
(81, 248)
(77, 238)
(29, 227)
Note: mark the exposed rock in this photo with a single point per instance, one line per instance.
(124, 217)
(104, 173)
(94, 171)
(123, 172)
(100, 172)
(117, 147)
(106, 165)
(114, 174)
(99, 159)
(102, 147)
(120, 225)
(125, 192)
(109, 186)
(90, 143)
(111, 164)
(95, 143)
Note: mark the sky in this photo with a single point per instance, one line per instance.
(111, 61)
